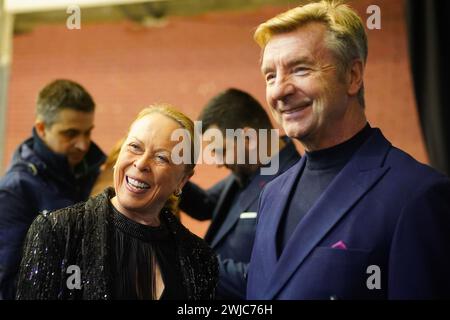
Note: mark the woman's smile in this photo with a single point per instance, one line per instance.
(136, 185)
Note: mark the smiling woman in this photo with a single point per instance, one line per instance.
(145, 177)
(125, 241)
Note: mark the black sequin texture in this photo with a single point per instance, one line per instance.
(81, 235)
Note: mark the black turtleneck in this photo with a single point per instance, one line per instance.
(136, 248)
(321, 168)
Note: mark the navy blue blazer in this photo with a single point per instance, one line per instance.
(384, 210)
(232, 229)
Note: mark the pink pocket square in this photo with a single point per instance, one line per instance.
(339, 245)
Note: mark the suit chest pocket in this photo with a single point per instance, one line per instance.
(335, 272)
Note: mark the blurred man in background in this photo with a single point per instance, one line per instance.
(232, 202)
(54, 168)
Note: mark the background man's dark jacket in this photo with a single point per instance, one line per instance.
(38, 180)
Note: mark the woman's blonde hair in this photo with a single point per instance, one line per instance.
(185, 123)
(346, 34)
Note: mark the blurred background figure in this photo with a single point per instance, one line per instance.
(54, 168)
(232, 203)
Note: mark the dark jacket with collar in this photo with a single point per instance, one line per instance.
(80, 236)
(232, 230)
(38, 180)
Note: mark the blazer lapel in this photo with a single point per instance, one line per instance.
(355, 179)
(274, 205)
(219, 214)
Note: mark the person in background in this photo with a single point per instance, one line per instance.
(232, 202)
(54, 168)
(125, 241)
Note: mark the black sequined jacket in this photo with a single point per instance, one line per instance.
(78, 235)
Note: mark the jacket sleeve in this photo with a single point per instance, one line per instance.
(232, 279)
(40, 275)
(211, 270)
(16, 215)
(419, 259)
(199, 203)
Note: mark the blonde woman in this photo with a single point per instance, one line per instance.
(125, 242)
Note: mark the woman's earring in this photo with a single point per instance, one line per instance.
(178, 193)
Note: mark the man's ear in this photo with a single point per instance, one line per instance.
(356, 74)
(40, 128)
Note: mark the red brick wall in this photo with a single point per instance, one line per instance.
(126, 67)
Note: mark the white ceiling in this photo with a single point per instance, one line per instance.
(25, 6)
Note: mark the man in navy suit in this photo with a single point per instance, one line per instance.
(356, 218)
(232, 202)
